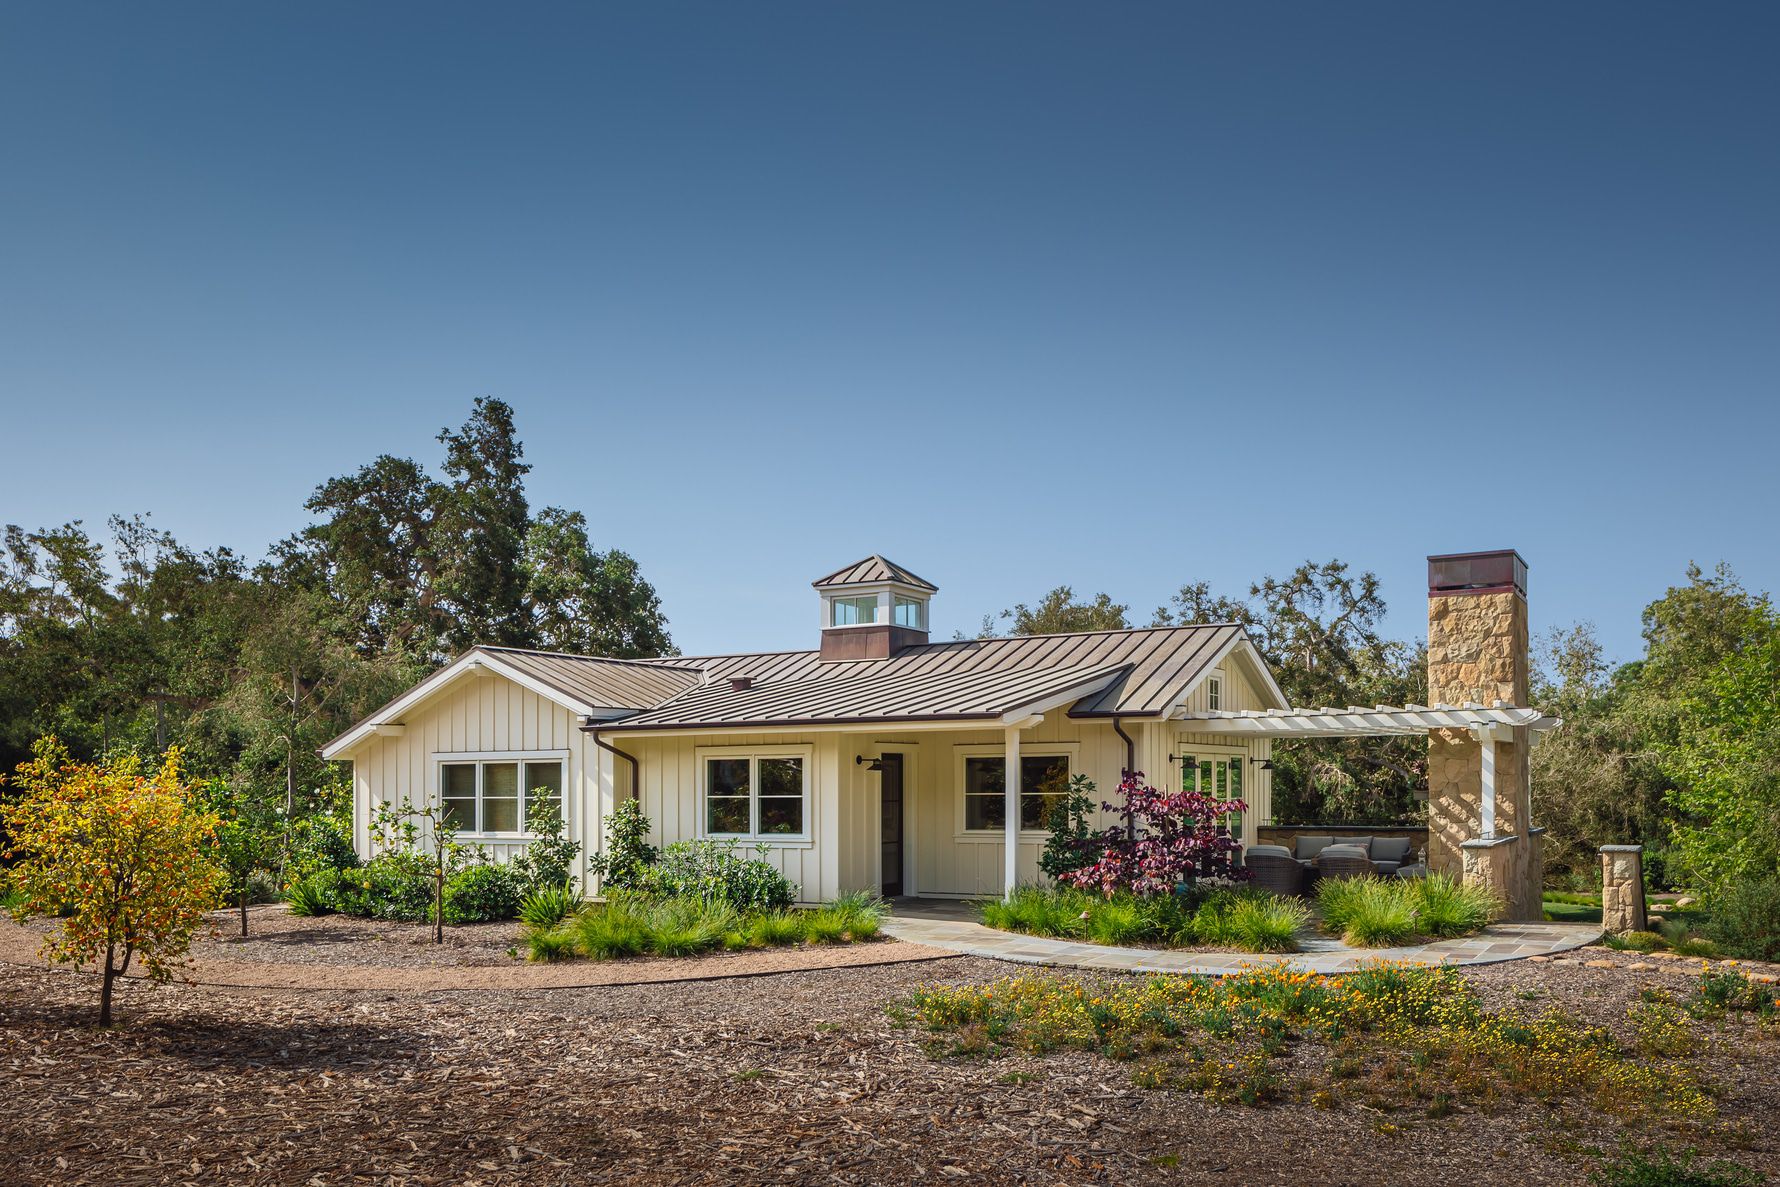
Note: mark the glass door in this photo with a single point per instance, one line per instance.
(1218, 776)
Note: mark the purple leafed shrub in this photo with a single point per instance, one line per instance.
(1172, 839)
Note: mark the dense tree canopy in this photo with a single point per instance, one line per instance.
(145, 643)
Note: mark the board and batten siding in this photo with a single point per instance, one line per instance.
(479, 715)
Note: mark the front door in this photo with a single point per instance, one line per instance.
(890, 783)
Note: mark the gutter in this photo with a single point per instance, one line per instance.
(592, 730)
(1130, 766)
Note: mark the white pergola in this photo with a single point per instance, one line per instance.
(1489, 724)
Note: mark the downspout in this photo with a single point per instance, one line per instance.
(1130, 766)
(593, 731)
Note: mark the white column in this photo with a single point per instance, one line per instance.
(1489, 784)
(1011, 870)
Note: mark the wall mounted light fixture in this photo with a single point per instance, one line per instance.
(870, 764)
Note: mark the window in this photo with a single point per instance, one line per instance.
(1043, 781)
(495, 796)
(911, 612)
(1214, 693)
(854, 611)
(756, 795)
(1220, 778)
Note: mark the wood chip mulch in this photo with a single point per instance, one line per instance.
(793, 1078)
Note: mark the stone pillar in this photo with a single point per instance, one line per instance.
(1490, 863)
(1622, 888)
(1478, 652)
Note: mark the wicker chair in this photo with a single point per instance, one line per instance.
(1274, 869)
(1343, 861)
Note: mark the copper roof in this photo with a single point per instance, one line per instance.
(1146, 673)
(872, 569)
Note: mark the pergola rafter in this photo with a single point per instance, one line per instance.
(1357, 721)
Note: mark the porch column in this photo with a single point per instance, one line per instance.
(1487, 809)
(1011, 790)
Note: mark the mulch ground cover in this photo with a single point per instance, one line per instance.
(790, 1078)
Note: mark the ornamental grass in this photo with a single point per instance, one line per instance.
(1395, 1036)
(1374, 912)
(629, 924)
(1245, 919)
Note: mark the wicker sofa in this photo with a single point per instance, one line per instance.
(1385, 854)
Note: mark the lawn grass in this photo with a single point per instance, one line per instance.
(627, 925)
(1249, 920)
(1565, 908)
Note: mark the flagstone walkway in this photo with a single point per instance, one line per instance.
(951, 925)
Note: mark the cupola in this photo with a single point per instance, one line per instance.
(872, 609)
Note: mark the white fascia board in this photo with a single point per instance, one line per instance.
(468, 663)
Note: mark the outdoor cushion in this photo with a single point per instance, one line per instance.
(1344, 850)
(1363, 844)
(1305, 848)
(1391, 849)
(1267, 851)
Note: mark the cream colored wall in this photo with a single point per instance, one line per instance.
(485, 713)
(481, 713)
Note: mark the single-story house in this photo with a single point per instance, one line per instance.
(878, 760)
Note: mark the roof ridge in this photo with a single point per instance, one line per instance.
(659, 662)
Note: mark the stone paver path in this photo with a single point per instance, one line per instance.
(952, 926)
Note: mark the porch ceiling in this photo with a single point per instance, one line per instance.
(1378, 721)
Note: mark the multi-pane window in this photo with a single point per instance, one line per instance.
(1220, 778)
(1214, 693)
(854, 611)
(1043, 781)
(910, 612)
(496, 796)
(756, 795)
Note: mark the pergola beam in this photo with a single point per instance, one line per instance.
(1491, 721)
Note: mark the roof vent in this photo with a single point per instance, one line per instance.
(740, 683)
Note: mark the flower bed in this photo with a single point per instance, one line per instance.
(1394, 1036)
(1245, 920)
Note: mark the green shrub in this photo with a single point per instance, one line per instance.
(314, 895)
(1446, 906)
(861, 913)
(1641, 941)
(1117, 921)
(321, 842)
(549, 905)
(1041, 912)
(1660, 1168)
(769, 929)
(713, 871)
(1368, 912)
(484, 894)
(625, 863)
(610, 931)
(396, 885)
(1267, 923)
(549, 859)
(1745, 920)
(550, 943)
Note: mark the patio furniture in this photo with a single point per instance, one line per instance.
(1389, 854)
(1343, 861)
(1417, 870)
(1274, 869)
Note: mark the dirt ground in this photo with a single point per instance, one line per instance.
(793, 1078)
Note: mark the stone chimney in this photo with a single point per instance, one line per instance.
(1479, 653)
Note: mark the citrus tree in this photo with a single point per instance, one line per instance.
(120, 852)
(249, 836)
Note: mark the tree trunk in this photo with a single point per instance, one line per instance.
(439, 903)
(243, 908)
(105, 985)
(290, 752)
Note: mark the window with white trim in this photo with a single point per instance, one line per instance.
(853, 611)
(1044, 779)
(763, 796)
(910, 612)
(1214, 693)
(496, 795)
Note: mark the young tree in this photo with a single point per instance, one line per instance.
(1172, 838)
(407, 828)
(249, 836)
(120, 854)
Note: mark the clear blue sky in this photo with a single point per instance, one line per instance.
(1121, 296)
